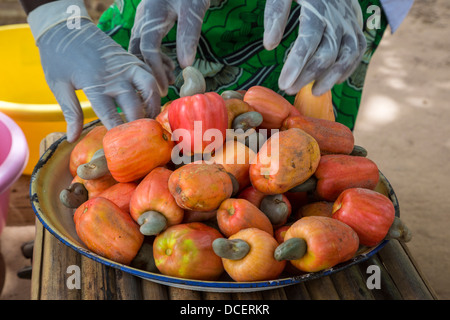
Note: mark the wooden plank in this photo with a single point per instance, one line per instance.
(256, 295)
(48, 141)
(388, 290)
(184, 294)
(97, 281)
(128, 287)
(419, 271)
(57, 257)
(322, 289)
(37, 262)
(274, 294)
(351, 285)
(153, 291)
(404, 272)
(297, 292)
(38, 248)
(216, 296)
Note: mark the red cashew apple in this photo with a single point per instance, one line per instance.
(185, 251)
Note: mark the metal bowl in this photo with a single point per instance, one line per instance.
(51, 175)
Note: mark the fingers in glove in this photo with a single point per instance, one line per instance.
(104, 107)
(151, 32)
(71, 108)
(190, 20)
(350, 53)
(320, 62)
(362, 45)
(134, 46)
(147, 87)
(129, 100)
(324, 57)
(169, 67)
(152, 105)
(276, 14)
(311, 30)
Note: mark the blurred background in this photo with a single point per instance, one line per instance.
(403, 123)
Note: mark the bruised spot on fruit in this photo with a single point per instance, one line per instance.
(299, 153)
(178, 189)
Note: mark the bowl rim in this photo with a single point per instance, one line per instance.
(197, 285)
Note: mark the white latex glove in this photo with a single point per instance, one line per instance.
(153, 21)
(329, 45)
(86, 58)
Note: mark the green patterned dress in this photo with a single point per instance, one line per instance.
(231, 55)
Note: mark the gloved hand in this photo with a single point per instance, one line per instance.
(153, 21)
(329, 45)
(83, 57)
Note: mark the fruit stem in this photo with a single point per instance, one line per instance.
(291, 249)
(274, 208)
(232, 94)
(74, 196)
(151, 222)
(399, 231)
(234, 249)
(235, 184)
(194, 82)
(308, 185)
(359, 151)
(94, 169)
(247, 120)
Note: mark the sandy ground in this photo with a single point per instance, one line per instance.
(403, 124)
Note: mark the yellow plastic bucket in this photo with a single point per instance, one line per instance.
(24, 94)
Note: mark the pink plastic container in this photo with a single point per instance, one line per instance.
(13, 159)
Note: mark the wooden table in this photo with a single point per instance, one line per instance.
(401, 278)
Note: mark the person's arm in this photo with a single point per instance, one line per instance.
(30, 5)
(80, 56)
